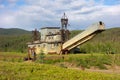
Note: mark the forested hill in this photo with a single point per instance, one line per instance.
(13, 31)
(16, 39)
(108, 41)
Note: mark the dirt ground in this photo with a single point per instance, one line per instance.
(110, 69)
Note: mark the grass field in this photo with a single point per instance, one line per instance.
(34, 71)
(12, 67)
(12, 56)
(83, 60)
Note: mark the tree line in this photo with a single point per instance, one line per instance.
(107, 41)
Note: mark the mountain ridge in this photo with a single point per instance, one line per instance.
(108, 40)
(13, 31)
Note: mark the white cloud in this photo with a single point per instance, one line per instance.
(38, 13)
(7, 19)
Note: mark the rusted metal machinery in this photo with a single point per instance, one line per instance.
(64, 31)
(56, 40)
(86, 35)
(35, 35)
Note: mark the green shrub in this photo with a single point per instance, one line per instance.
(41, 57)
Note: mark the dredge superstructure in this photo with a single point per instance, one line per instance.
(55, 40)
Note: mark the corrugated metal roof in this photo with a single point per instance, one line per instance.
(50, 28)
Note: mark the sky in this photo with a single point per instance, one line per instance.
(31, 14)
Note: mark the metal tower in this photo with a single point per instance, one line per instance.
(64, 31)
(64, 22)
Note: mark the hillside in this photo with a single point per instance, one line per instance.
(74, 32)
(16, 39)
(108, 41)
(13, 31)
